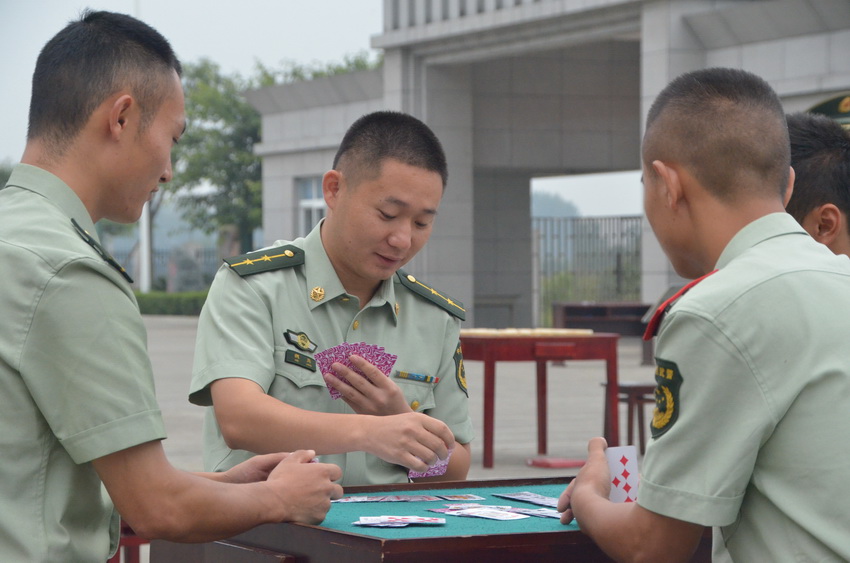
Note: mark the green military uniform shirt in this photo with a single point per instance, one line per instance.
(250, 328)
(74, 372)
(750, 429)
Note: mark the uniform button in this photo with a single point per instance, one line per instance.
(414, 404)
(356, 325)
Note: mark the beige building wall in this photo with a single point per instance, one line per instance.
(517, 89)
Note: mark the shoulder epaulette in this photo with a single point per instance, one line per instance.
(100, 250)
(453, 306)
(266, 260)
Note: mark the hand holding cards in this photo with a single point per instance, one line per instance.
(622, 464)
(375, 355)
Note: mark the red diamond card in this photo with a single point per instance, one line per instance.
(622, 463)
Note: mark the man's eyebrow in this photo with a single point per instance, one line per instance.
(395, 201)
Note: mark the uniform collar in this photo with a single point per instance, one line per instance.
(320, 273)
(764, 228)
(54, 190)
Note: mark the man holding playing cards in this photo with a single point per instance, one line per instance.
(323, 342)
(749, 434)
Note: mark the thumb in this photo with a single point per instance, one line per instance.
(596, 447)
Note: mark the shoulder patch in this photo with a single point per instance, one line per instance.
(266, 260)
(453, 306)
(668, 381)
(460, 373)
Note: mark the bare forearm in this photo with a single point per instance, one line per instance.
(628, 532)
(273, 426)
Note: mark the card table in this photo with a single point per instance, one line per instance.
(541, 346)
(460, 540)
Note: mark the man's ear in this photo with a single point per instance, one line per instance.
(824, 223)
(119, 114)
(670, 182)
(331, 185)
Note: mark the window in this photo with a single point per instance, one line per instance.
(311, 204)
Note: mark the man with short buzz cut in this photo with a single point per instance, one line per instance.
(270, 312)
(820, 156)
(77, 409)
(753, 384)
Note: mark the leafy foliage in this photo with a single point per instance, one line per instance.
(217, 176)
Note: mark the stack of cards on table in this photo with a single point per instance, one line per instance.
(375, 355)
(398, 521)
(495, 512)
(622, 463)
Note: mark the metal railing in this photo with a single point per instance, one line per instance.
(585, 259)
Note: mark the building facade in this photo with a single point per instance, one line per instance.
(517, 89)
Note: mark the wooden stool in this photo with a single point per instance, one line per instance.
(635, 395)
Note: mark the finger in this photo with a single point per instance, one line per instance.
(300, 456)
(439, 429)
(597, 446)
(364, 366)
(564, 499)
(567, 516)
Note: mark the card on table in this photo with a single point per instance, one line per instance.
(622, 463)
(375, 355)
(532, 498)
(399, 521)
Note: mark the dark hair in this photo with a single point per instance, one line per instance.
(728, 126)
(89, 60)
(388, 134)
(820, 155)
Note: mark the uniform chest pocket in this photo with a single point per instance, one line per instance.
(297, 367)
(419, 394)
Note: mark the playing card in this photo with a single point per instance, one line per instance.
(398, 521)
(542, 512)
(461, 496)
(532, 498)
(439, 468)
(375, 355)
(490, 512)
(622, 463)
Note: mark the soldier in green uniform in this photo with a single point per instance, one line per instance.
(820, 156)
(270, 311)
(77, 408)
(753, 384)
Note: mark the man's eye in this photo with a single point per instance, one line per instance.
(387, 215)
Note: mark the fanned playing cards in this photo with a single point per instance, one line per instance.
(375, 355)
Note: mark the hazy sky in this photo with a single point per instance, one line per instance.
(235, 35)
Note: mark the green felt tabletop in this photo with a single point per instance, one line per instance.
(341, 515)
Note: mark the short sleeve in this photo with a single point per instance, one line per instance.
(86, 364)
(450, 393)
(704, 447)
(235, 337)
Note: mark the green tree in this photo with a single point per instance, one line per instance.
(217, 176)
